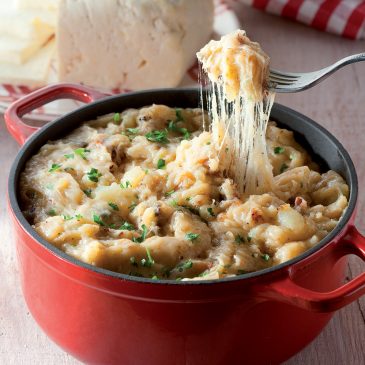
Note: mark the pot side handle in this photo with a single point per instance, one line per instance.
(286, 290)
(21, 131)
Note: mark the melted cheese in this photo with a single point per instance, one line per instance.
(240, 107)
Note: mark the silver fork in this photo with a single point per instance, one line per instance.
(290, 82)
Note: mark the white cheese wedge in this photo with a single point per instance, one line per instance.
(36, 4)
(33, 73)
(130, 44)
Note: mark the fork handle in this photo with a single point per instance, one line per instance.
(346, 61)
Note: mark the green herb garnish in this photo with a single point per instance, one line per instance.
(154, 277)
(278, 150)
(192, 236)
(97, 219)
(67, 217)
(158, 136)
(132, 206)
(143, 235)
(174, 128)
(126, 185)
(186, 265)
(173, 203)
(113, 206)
(265, 257)
(132, 130)
(179, 117)
(169, 193)
(211, 212)
(239, 239)
(249, 238)
(87, 192)
(78, 216)
(93, 175)
(161, 164)
(69, 155)
(81, 152)
(126, 226)
(149, 261)
(117, 119)
(54, 167)
(283, 167)
(51, 212)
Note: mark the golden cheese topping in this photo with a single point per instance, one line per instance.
(240, 66)
(144, 192)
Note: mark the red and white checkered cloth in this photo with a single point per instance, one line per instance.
(343, 17)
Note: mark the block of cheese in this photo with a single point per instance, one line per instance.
(33, 73)
(22, 34)
(36, 4)
(128, 43)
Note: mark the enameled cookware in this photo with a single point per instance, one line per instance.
(102, 317)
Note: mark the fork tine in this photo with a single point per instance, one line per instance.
(281, 75)
(285, 75)
(281, 81)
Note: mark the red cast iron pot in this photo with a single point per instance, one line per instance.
(102, 317)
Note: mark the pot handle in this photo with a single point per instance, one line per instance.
(286, 290)
(21, 131)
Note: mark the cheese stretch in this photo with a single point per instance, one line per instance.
(240, 107)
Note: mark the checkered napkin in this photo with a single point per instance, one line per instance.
(342, 17)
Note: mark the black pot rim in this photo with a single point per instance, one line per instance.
(13, 202)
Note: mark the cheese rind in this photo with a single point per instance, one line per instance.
(130, 44)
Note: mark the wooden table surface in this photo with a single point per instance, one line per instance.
(338, 104)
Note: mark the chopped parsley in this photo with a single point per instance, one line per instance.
(161, 164)
(185, 266)
(94, 175)
(179, 117)
(117, 119)
(192, 236)
(158, 136)
(283, 167)
(154, 277)
(67, 217)
(69, 155)
(69, 169)
(113, 206)
(211, 212)
(149, 261)
(132, 206)
(249, 238)
(126, 226)
(133, 261)
(143, 235)
(51, 212)
(87, 192)
(173, 203)
(265, 257)
(132, 130)
(239, 239)
(278, 150)
(97, 219)
(54, 167)
(169, 193)
(126, 185)
(188, 198)
(78, 216)
(81, 152)
(174, 128)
